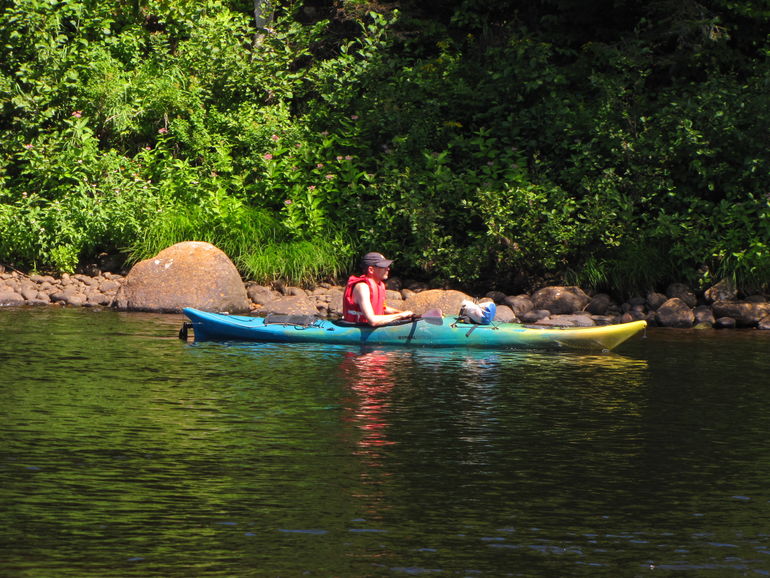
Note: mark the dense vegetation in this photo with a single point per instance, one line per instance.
(616, 144)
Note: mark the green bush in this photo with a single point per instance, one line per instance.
(476, 147)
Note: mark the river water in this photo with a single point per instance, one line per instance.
(127, 452)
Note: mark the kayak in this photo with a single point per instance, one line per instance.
(421, 332)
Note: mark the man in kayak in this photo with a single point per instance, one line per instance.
(364, 297)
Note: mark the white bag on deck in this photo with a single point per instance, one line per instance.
(483, 313)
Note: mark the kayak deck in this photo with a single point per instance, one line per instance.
(427, 332)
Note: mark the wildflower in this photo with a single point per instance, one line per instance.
(163, 130)
(354, 117)
(298, 145)
(77, 113)
(148, 148)
(311, 188)
(329, 177)
(267, 157)
(339, 157)
(319, 166)
(325, 133)
(348, 158)
(275, 138)
(288, 202)
(29, 147)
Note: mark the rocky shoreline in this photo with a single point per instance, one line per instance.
(679, 306)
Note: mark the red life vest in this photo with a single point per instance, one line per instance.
(350, 309)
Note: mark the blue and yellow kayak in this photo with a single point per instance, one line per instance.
(424, 332)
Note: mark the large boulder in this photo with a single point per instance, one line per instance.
(449, 301)
(654, 300)
(519, 304)
(746, 314)
(188, 274)
(724, 290)
(560, 300)
(599, 304)
(9, 297)
(682, 292)
(675, 313)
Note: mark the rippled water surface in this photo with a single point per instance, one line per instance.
(126, 452)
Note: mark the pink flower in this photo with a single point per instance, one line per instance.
(319, 166)
(77, 113)
(29, 147)
(275, 138)
(348, 158)
(311, 188)
(267, 157)
(163, 130)
(354, 117)
(288, 202)
(329, 177)
(147, 148)
(325, 133)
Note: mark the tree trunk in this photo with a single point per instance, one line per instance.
(263, 17)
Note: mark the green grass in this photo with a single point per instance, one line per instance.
(253, 239)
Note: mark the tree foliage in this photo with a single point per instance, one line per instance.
(481, 143)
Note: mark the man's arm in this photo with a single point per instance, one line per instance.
(362, 296)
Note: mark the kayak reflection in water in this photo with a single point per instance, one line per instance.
(364, 297)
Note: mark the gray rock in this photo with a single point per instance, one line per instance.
(260, 294)
(745, 314)
(335, 302)
(724, 290)
(704, 316)
(655, 300)
(505, 314)
(519, 304)
(534, 315)
(10, 298)
(682, 292)
(599, 304)
(605, 319)
(725, 323)
(497, 296)
(560, 300)
(675, 313)
(75, 299)
(291, 305)
(567, 321)
(449, 301)
(109, 286)
(29, 291)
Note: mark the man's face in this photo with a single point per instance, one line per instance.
(379, 273)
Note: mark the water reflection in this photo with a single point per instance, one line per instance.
(371, 379)
(126, 452)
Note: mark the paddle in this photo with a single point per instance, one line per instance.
(432, 316)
